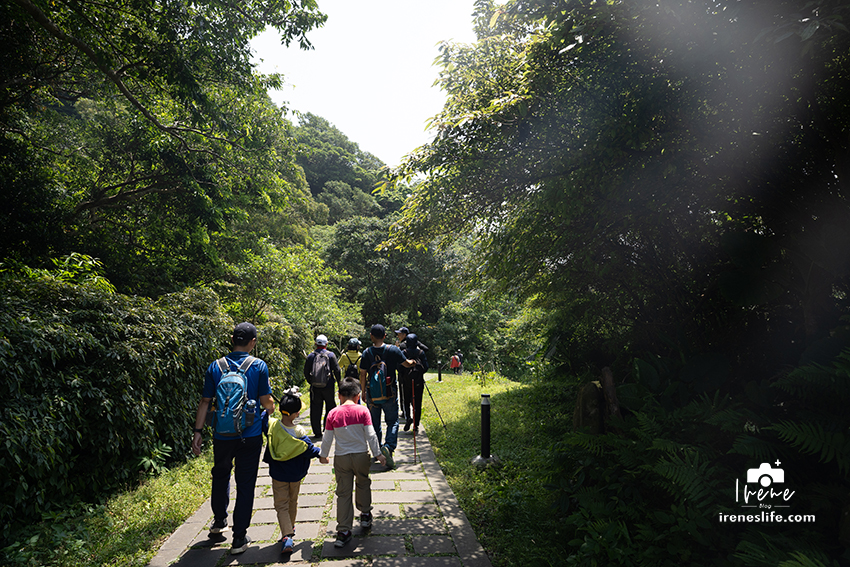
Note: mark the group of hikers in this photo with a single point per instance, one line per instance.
(368, 392)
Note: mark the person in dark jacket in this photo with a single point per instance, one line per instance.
(288, 454)
(413, 383)
(321, 370)
(402, 335)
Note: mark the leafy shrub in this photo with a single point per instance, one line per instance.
(94, 384)
(281, 347)
(651, 492)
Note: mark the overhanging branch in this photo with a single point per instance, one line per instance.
(45, 22)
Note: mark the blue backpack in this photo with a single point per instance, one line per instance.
(233, 411)
(379, 380)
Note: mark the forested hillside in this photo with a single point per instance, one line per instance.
(656, 187)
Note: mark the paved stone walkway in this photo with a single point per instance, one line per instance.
(418, 522)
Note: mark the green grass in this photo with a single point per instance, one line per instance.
(126, 530)
(509, 507)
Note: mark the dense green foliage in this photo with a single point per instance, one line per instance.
(654, 186)
(327, 155)
(661, 174)
(341, 176)
(384, 282)
(95, 377)
(137, 133)
(652, 491)
(668, 181)
(291, 284)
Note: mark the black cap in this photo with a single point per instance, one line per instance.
(412, 342)
(402, 330)
(243, 333)
(378, 331)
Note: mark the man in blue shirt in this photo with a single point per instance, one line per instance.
(393, 357)
(244, 451)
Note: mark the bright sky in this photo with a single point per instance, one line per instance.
(371, 70)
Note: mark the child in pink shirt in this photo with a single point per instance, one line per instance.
(350, 426)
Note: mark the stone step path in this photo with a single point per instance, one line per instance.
(418, 522)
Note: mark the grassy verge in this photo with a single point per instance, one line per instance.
(509, 507)
(126, 530)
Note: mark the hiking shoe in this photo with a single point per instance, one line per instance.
(386, 452)
(287, 546)
(239, 545)
(407, 425)
(366, 520)
(218, 526)
(342, 538)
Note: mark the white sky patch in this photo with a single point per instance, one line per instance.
(371, 72)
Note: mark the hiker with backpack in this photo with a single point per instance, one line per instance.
(321, 371)
(239, 383)
(349, 361)
(412, 382)
(378, 367)
(401, 342)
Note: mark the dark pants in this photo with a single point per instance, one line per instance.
(412, 396)
(404, 397)
(245, 453)
(321, 397)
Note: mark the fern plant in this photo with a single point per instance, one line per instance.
(646, 497)
(654, 493)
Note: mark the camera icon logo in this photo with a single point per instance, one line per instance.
(766, 475)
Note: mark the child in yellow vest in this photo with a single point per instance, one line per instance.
(288, 453)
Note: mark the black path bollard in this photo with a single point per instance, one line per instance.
(485, 426)
(485, 458)
(439, 371)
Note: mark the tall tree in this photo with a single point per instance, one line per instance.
(412, 283)
(654, 170)
(148, 131)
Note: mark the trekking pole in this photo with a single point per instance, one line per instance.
(435, 405)
(413, 411)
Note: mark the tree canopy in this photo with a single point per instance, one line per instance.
(661, 172)
(327, 154)
(412, 284)
(340, 174)
(141, 134)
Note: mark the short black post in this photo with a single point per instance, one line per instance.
(439, 371)
(485, 426)
(485, 458)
